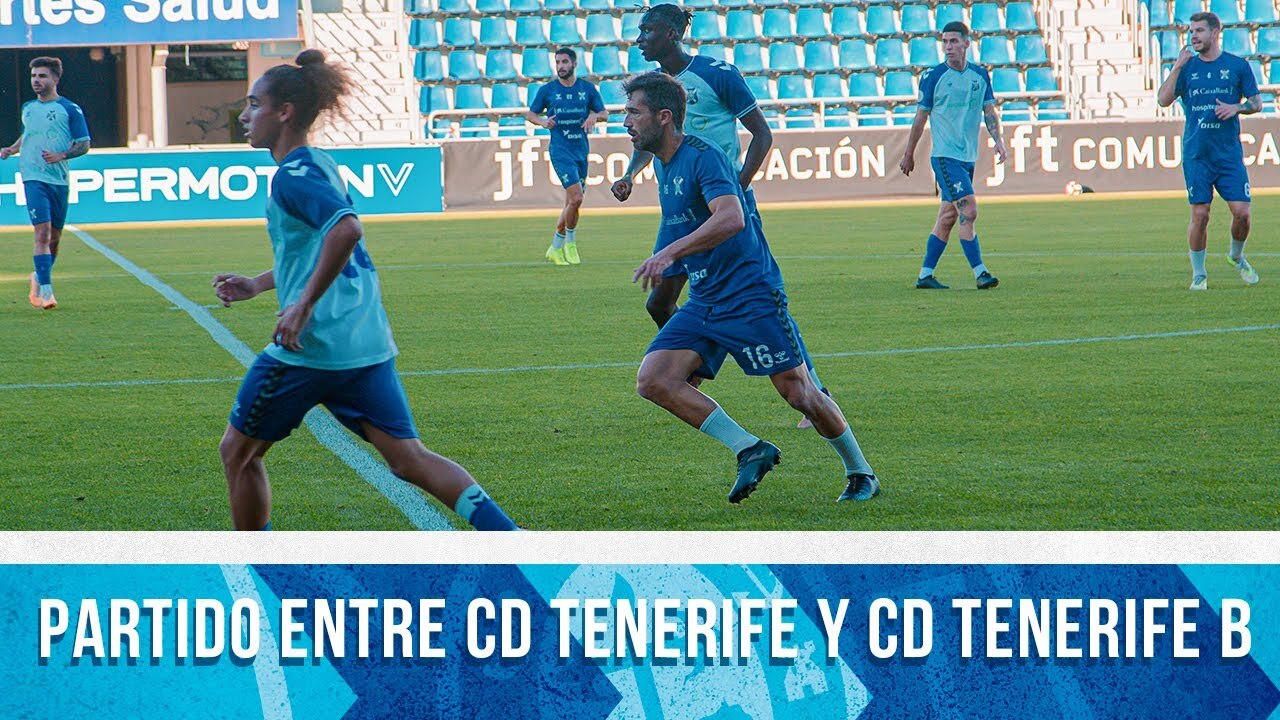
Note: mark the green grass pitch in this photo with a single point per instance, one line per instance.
(968, 422)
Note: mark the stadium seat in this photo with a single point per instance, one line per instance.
(491, 7)
(1256, 66)
(828, 86)
(558, 5)
(760, 88)
(793, 87)
(1238, 41)
(1158, 13)
(864, 85)
(1015, 112)
(535, 64)
(529, 31)
(1028, 50)
(714, 50)
(872, 117)
(1273, 77)
(1051, 110)
(428, 66)
(948, 14)
(899, 84)
(1259, 12)
(854, 55)
(811, 22)
(606, 61)
(601, 31)
(783, 57)
(777, 24)
(433, 97)
(819, 56)
(526, 6)
(1006, 80)
(916, 20)
(882, 20)
(846, 22)
(457, 33)
(734, 3)
(890, 54)
(904, 114)
(706, 27)
(747, 57)
(1170, 44)
(1184, 9)
(1041, 79)
(699, 4)
(636, 62)
(611, 92)
(924, 52)
(1020, 17)
(985, 18)
(564, 30)
(1226, 10)
(469, 97)
(454, 7)
(506, 96)
(463, 65)
(423, 34)
(1269, 42)
(740, 25)
(631, 26)
(494, 33)
(994, 50)
(500, 64)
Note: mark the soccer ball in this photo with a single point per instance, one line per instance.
(1074, 188)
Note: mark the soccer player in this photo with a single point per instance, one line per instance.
(573, 107)
(1211, 84)
(954, 94)
(53, 131)
(332, 344)
(735, 303)
(719, 100)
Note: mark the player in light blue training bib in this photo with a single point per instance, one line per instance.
(1216, 88)
(53, 131)
(955, 97)
(332, 344)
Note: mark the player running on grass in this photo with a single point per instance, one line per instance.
(735, 306)
(332, 344)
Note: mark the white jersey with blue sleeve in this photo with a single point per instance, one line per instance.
(349, 327)
(955, 99)
(718, 99)
(54, 126)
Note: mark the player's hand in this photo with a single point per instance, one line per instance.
(589, 123)
(1002, 153)
(6, 153)
(292, 320)
(53, 157)
(1226, 111)
(549, 123)
(1184, 57)
(233, 288)
(907, 164)
(622, 189)
(650, 272)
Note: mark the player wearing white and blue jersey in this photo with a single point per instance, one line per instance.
(573, 106)
(332, 344)
(1212, 84)
(954, 97)
(736, 305)
(53, 131)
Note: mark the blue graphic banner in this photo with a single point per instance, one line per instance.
(224, 184)
(641, 641)
(52, 23)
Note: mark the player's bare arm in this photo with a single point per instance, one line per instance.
(230, 287)
(8, 152)
(540, 121)
(908, 162)
(335, 252)
(992, 120)
(76, 150)
(1226, 111)
(758, 150)
(1169, 88)
(640, 160)
(592, 119)
(726, 221)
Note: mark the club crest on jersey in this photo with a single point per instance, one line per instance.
(582, 96)
(1226, 73)
(692, 94)
(679, 183)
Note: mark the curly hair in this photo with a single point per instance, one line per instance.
(312, 85)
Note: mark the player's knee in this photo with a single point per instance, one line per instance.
(660, 310)
(234, 453)
(798, 394)
(969, 213)
(1200, 215)
(653, 387)
(1241, 215)
(574, 198)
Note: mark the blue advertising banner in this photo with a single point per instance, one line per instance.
(641, 641)
(224, 184)
(51, 23)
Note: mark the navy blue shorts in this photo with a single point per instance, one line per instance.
(1202, 176)
(760, 334)
(274, 397)
(954, 178)
(571, 171)
(46, 203)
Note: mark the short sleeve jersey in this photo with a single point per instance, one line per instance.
(738, 269)
(1201, 85)
(955, 99)
(52, 126)
(349, 327)
(569, 106)
(718, 99)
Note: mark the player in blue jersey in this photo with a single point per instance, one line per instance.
(332, 344)
(953, 96)
(736, 304)
(1212, 85)
(719, 100)
(573, 107)
(53, 131)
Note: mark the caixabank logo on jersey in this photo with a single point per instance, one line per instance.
(120, 187)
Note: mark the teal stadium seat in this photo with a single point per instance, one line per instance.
(916, 20)
(1006, 80)
(611, 93)
(1269, 42)
(558, 5)
(500, 64)
(882, 20)
(530, 32)
(424, 34)
(890, 54)
(899, 84)
(1029, 50)
(1226, 10)
(985, 18)
(594, 6)
(924, 52)
(451, 7)
(748, 58)
(811, 22)
(864, 85)
(1041, 79)
(854, 55)
(1238, 41)
(491, 7)
(1256, 66)
(706, 27)
(1052, 110)
(631, 25)
(628, 4)
(713, 50)
(904, 114)
(1020, 17)
(1184, 9)
(564, 30)
(828, 86)
(526, 6)
(606, 61)
(471, 97)
(1273, 76)
(872, 117)
(506, 95)
(846, 22)
(636, 62)
(994, 50)
(777, 24)
(1158, 13)
(457, 33)
(1259, 12)
(463, 65)
(601, 30)
(948, 14)
(433, 97)
(783, 57)
(793, 87)
(1170, 44)
(760, 88)
(734, 3)
(1015, 111)
(494, 33)
(819, 56)
(740, 25)
(428, 66)
(695, 4)
(535, 63)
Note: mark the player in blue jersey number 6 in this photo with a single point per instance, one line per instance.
(332, 344)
